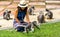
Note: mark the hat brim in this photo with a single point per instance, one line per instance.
(22, 6)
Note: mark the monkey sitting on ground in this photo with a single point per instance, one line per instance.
(31, 10)
(6, 15)
(41, 18)
(49, 14)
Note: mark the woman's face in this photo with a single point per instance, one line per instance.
(22, 8)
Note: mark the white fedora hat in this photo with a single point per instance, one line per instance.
(23, 3)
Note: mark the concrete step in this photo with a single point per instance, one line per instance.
(37, 3)
(1, 9)
(12, 6)
(4, 3)
(53, 6)
(16, 1)
(53, 2)
(30, 1)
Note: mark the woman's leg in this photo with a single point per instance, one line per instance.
(18, 27)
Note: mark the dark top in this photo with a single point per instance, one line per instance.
(21, 14)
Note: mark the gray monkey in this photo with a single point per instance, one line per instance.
(40, 17)
(49, 14)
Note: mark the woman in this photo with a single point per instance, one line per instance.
(21, 13)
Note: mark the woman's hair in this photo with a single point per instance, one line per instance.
(19, 8)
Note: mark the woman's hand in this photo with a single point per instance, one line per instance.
(15, 17)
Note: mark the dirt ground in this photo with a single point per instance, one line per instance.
(4, 23)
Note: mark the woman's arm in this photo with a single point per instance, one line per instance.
(27, 17)
(15, 16)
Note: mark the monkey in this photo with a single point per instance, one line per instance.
(31, 10)
(49, 14)
(6, 15)
(41, 18)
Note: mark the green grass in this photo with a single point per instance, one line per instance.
(46, 30)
